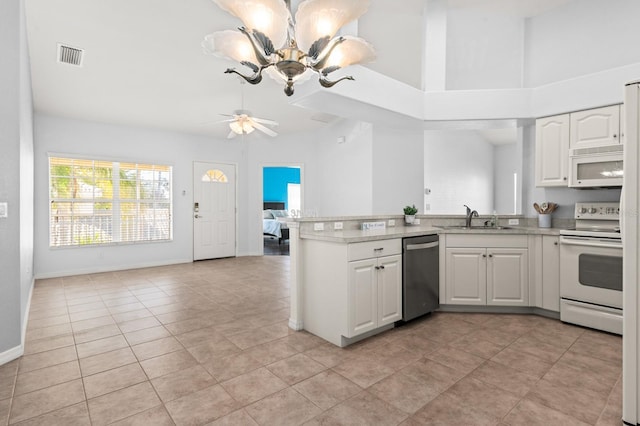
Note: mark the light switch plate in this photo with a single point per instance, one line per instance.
(318, 226)
(4, 210)
(337, 226)
(392, 222)
(514, 221)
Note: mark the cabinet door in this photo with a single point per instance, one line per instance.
(389, 289)
(595, 127)
(552, 151)
(362, 296)
(466, 276)
(550, 273)
(507, 277)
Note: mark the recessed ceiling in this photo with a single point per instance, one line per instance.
(143, 65)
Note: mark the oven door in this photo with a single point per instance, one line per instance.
(591, 270)
(597, 170)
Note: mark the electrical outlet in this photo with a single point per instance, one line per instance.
(318, 226)
(514, 221)
(337, 225)
(4, 207)
(392, 222)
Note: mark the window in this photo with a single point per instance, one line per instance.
(102, 202)
(214, 175)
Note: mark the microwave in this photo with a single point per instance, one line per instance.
(599, 166)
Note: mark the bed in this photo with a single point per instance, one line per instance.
(274, 216)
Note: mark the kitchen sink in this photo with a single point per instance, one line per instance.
(473, 228)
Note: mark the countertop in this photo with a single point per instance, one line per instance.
(356, 235)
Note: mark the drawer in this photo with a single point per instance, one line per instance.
(369, 249)
(488, 241)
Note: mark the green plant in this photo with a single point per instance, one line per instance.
(410, 210)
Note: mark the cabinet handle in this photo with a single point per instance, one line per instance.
(381, 266)
(377, 267)
(564, 178)
(615, 136)
(490, 255)
(484, 255)
(378, 249)
(555, 243)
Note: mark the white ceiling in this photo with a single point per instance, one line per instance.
(143, 64)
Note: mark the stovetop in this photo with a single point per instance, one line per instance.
(601, 220)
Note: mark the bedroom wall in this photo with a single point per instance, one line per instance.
(275, 181)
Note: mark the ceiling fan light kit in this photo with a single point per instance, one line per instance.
(288, 50)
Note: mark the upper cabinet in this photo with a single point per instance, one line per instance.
(595, 127)
(552, 150)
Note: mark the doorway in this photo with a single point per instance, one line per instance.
(281, 199)
(214, 210)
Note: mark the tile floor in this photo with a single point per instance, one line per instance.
(208, 343)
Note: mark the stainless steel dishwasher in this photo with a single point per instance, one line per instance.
(420, 276)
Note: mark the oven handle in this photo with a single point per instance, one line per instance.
(587, 243)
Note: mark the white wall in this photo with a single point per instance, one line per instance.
(581, 37)
(97, 140)
(398, 170)
(458, 169)
(484, 49)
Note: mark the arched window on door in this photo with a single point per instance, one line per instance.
(214, 175)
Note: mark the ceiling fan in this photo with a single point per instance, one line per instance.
(241, 122)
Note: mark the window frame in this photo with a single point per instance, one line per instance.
(116, 200)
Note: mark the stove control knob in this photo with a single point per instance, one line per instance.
(583, 210)
(592, 210)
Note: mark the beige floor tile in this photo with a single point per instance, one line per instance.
(85, 315)
(146, 335)
(97, 347)
(583, 404)
(96, 333)
(50, 331)
(10, 369)
(169, 363)
(82, 307)
(131, 315)
(231, 366)
(529, 413)
(121, 404)
(284, 408)
(128, 307)
(447, 410)
(361, 409)
(545, 351)
(433, 374)
(363, 371)
(490, 399)
(406, 393)
(5, 405)
(296, 368)
(565, 374)
(505, 378)
(92, 323)
(106, 361)
(74, 415)
(523, 362)
(236, 418)
(157, 416)
(156, 348)
(49, 343)
(271, 352)
(47, 359)
(138, 324)
(327, 389)
(253, 386)
(48, 321)
(300, 340)
(180, 383)
(199, 336)
(327, 354)
(45, 377)
(478, 346)
(45, 400)
(203, 406)
(113, 380)
(456, 359)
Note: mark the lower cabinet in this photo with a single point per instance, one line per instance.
(375, 293)
(351, 289)
(483, 270)
(545, 281)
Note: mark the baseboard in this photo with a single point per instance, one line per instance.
(11, 354)
(97, 270)
(295, 325)
(27, 309)
(500, 310)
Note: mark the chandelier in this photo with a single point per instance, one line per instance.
(271, 41)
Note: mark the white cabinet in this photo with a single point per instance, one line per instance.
(485, 269)
(552, 151)
(595, 127)
(351, 289)
(544, 260)
(375, 293)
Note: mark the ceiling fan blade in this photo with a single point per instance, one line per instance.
(264, 129)
(265, 121)
(231, 135)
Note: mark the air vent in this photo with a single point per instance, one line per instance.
(70, 55)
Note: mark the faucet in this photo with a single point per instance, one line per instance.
(470, 214)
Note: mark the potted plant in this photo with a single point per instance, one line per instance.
(410, 214)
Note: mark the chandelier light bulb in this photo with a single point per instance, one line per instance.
(271, 39)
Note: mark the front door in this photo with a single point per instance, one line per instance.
(214, 210)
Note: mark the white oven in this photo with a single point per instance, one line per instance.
(591, 269)
(596, 166)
